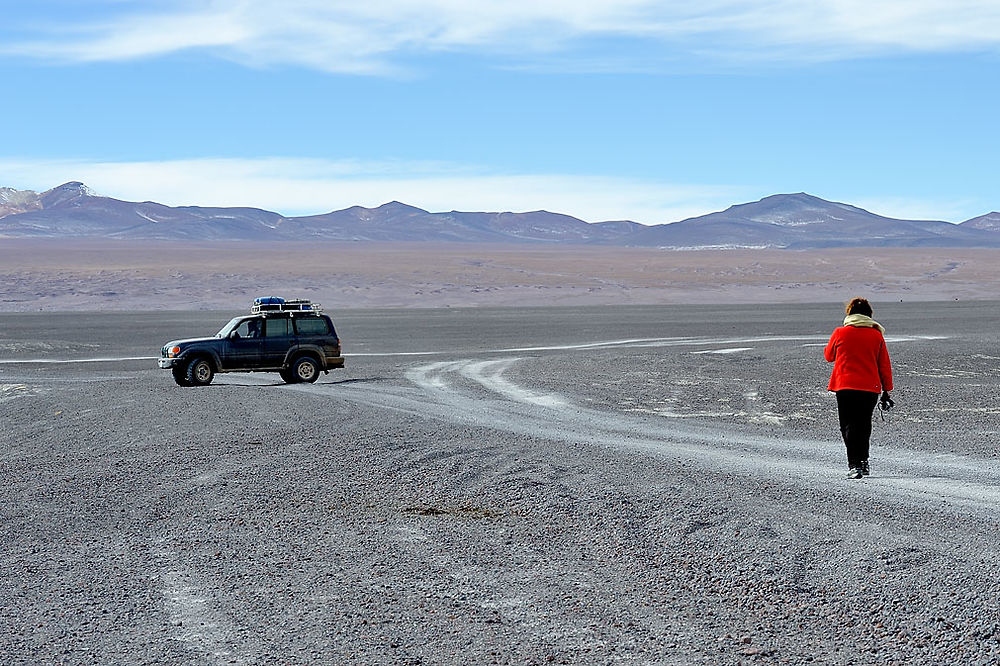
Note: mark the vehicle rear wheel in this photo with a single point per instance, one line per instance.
(287, 375)
(306, 369)
(199, 372)
(180, 375)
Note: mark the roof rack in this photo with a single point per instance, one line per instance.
(268, 304)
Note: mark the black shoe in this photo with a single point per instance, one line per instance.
(865, 471)
(854, 473)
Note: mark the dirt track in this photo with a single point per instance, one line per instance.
(644, 485)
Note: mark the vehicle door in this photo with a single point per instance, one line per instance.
(243, 346)
(278, 339)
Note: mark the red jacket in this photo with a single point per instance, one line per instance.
(860, 360)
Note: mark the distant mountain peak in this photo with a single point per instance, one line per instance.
(10, 195)
(795, 196)
(803, 221)
(988, 222)
(65, 194)
(796, 199)
(14, 201)
(75, 187)
(400, 207)
(777, 208)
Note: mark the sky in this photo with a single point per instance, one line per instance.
(649, 110)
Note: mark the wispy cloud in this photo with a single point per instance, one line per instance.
(307, 186)
(381, 36)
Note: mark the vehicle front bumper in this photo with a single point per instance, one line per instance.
(166, 362)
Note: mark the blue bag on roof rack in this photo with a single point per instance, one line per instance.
(266, 304)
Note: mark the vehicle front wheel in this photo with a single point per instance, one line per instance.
(199, 372)
(179, 373)
(306, 369)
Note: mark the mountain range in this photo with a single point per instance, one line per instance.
(787, 221)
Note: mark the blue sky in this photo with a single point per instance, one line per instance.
(629, 109)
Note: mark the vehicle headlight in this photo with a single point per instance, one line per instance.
(172, 352)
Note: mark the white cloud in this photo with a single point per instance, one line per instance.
(378, 36)
(307, 186)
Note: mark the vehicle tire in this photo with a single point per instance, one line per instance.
(180, 375)
(199, 372)
(287, 376)
(305, 369)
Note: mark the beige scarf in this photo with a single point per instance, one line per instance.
(863, 321)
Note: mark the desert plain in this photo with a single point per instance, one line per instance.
(590, 485)
(633, 460)
(72, 274)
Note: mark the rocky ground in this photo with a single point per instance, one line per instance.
(647, 485)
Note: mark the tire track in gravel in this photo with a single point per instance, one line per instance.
(480, 392)
(476, 392)
(483, 393)
(197, 623)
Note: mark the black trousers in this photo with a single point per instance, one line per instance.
(855, 409)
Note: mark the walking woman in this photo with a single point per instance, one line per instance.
(861, 371)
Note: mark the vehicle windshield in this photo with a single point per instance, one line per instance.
(228, 328)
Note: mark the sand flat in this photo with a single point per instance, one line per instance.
(121, 275)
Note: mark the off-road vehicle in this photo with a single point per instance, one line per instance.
(293, 338)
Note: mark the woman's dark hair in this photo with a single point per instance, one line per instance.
(859, 306)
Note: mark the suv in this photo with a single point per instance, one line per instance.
(293, 338)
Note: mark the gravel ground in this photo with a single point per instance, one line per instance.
(639, 485)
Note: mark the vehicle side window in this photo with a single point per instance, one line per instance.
(312, 326)
(278, 327)
(248, 328)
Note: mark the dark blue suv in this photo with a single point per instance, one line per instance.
(293, 338)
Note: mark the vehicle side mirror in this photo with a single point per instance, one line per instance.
(235, 335)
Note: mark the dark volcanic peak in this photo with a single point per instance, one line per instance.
(794, 221)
